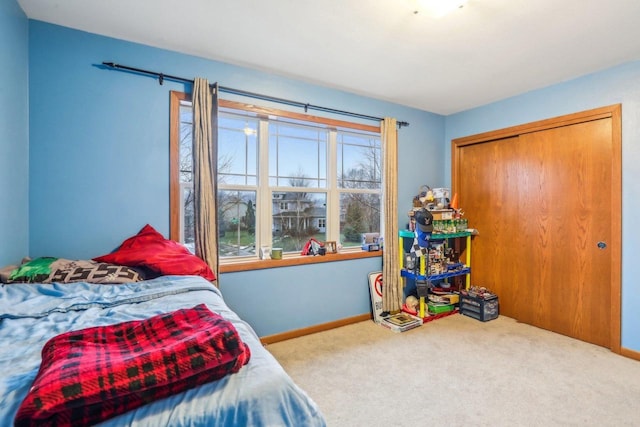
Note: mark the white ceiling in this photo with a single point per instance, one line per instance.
(486, 51)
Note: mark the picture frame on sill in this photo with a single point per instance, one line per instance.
(331, 247)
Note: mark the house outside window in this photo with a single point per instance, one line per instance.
(283, 180)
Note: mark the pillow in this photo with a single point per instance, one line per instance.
(60, 270)
(5, 273)
(68, 271)
(34, 271)
(150, 249)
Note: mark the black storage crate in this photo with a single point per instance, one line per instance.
(479, 308)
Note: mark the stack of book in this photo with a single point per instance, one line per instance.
(401, 322)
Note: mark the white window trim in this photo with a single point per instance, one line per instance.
(333, 202)
(265, 194)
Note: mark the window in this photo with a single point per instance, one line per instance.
(283, 178)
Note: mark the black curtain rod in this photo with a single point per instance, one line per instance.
(162, 77)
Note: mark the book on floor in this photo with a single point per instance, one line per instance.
(401, 322)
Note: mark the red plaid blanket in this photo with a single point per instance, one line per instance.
(93, 374)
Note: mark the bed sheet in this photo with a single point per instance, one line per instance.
(260, 394)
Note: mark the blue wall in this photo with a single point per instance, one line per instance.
(616, 85)
(99, 166)
(14, 133)
(95, 145)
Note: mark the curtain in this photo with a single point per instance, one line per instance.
(205, 143)
(392, 292)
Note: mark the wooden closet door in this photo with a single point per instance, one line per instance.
(542, 201)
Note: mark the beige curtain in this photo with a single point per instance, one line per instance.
(205, 142)
(392, 292)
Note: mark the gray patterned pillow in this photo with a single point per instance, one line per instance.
(67, 271)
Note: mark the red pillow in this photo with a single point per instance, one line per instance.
(150, 249)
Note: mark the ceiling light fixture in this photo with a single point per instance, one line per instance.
(438, 8)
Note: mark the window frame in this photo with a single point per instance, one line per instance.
(232, 265)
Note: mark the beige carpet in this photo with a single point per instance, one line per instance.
(458, 371)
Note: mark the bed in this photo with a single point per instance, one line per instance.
(257, 393)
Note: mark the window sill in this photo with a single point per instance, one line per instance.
(291, 260)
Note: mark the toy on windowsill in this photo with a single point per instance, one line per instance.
(371, 242)
(313, 247)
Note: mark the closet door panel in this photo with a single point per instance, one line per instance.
(542, 203)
